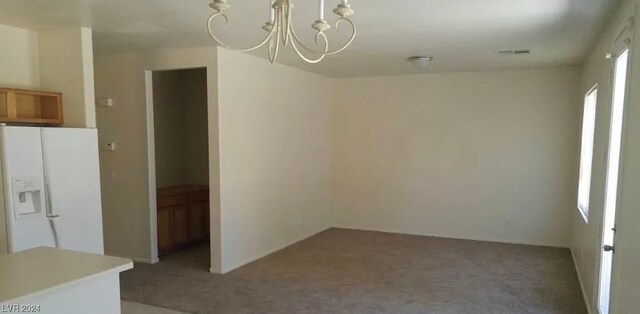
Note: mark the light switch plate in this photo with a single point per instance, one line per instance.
(105, 102)
(111, 147)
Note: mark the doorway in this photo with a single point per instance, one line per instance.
(182, 166)
(620, 74)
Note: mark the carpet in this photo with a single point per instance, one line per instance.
(348, 271)
(139, 308)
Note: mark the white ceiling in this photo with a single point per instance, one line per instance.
(462, 35)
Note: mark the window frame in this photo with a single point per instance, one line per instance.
(584, 184)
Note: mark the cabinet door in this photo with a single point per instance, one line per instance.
(197, 216)
(164, 230)
(181, 224)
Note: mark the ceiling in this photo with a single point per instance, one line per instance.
(462, 35)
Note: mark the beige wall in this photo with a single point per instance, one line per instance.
(127, 196)
(274, 153)
(169, 129)
(275, 156)
(197, 141)
(180, 114)
(587, 235)
(483, 156)
(19, 66)
(66, 65)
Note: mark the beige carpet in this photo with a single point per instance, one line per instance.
(138, 308)
(347, 271)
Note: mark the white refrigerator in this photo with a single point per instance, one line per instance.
(50, 194)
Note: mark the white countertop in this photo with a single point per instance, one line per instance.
(27, 273)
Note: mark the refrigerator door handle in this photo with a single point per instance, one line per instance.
(54, 231)
(50, 213)
(51, 216)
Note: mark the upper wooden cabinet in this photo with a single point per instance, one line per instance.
(27, 106)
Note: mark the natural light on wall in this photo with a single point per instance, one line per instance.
(586, 151)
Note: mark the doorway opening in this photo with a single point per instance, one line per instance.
(613, 168)
(182, 166)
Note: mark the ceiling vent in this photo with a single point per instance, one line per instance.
(510, 52)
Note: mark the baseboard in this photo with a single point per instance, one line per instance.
(584, 292)
(483, 239)
(447, 236)
(270, 251)
(143, 260)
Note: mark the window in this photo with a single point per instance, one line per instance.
(586, 151)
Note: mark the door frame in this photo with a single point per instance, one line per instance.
(151, 158)
(621, 43)
(151, 164)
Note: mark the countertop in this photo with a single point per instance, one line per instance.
(180, 189)
(44, 269)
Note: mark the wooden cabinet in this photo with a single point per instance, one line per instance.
(27, 106)
(181, 225)
(198, 212)
(165, 242)
(183, 216)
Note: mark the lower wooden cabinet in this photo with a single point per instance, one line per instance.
(198, 212)
(181, 224)
(165, 242)
(183, 216)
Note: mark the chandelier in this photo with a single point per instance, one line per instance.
(281, 31)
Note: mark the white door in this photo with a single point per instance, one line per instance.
(22, 158)
(619, 94)
(73, 180)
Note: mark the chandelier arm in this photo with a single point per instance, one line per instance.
(274, 48)
(262, 43)
(332, 52)
(273, 45)
(296, 41)
(295, 37)
(353, 35)
(317, 37)
(272, 59)
(287, 20)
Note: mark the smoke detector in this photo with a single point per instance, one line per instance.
(420, 62)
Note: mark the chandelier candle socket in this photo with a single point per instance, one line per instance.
(281, 31)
